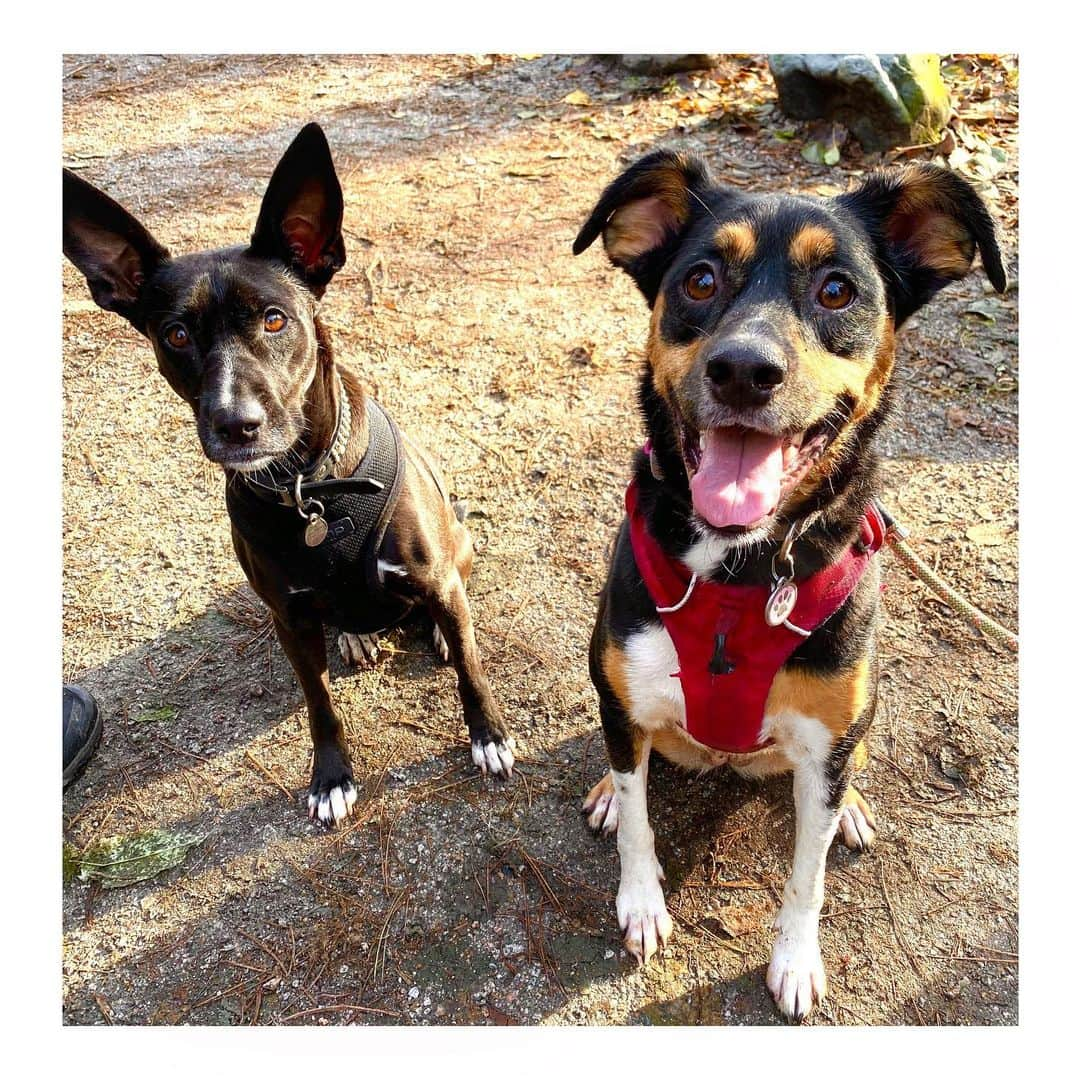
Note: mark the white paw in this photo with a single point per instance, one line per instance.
(602, 807)
(442, 650)
(360, 650)
(496, 758)
(643, 915)
(857, 828)
(334, 806)
(796, 975)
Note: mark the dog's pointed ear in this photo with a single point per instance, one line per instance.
(114, 252)
(300, 218)
(643, 213)
(926, 223)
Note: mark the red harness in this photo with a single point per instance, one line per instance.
(728, 653)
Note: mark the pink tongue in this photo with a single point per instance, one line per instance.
(738, 480)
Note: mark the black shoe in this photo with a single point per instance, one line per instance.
(82, 730)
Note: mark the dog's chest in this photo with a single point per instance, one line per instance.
(657, 703)
(339, 579)
(655, 689)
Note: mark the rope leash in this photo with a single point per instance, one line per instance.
(896, 537)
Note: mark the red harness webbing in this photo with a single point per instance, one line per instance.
(728, 654)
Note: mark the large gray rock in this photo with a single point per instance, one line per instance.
(884, 99)
(667, 63)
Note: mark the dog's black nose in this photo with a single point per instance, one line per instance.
(239, 423)
(745, 374)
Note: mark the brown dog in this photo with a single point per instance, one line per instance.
(337, 518)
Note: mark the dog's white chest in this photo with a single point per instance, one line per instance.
(652, 681)
(657, 703)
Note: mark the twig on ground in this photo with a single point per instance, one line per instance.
(916, 967)
(260, 768)
(337, 1008)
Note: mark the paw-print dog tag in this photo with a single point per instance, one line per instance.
(781, 602)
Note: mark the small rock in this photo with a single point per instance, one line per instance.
(667, 63)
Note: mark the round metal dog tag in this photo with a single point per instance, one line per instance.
(781, 603)
(316, 530)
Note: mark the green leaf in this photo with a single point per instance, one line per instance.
(70, 862)
(987, 310)
(117, 861)
(156, 713)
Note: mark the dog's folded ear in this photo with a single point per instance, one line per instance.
(115, 253)
(926, 223)
(643, 212)
(300, 218)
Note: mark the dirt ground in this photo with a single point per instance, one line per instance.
(451, 899)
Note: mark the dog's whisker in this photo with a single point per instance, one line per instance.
(693, 326)
(705, 205)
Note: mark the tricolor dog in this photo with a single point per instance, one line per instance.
(737, 626)
(338, 518)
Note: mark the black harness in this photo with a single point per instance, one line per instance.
(339, 572)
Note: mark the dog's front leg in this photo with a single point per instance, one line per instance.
(332, 793)
(492, 746)
(796, 975)
(642, 913)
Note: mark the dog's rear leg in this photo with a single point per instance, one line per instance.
(858, 828)
(601, 807)
(358, 650)
(492, 746)
(332, 792)
(463, 557)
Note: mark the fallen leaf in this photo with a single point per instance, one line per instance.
(577, 97)
(988, 534)
(123, 860)
(824, 145)
(957, 417)
(738, 919)
(957, 765)
(987, 309)
(156, 714)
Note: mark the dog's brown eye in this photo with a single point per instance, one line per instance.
(700, 283)
(835, 294)
(177, 336)
(274, 321)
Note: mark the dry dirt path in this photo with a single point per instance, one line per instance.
(452, 899)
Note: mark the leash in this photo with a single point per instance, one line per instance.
(896, 537)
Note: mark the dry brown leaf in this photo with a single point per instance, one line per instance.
(957, 417)
(738, 919)
(988, 534)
